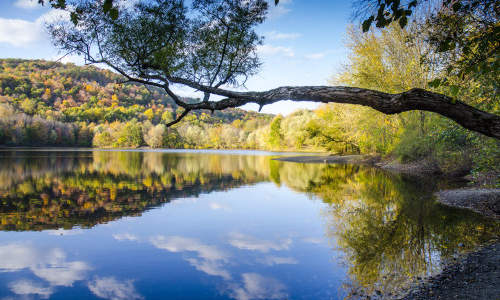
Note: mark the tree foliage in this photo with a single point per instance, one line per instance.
(40, 96)
(391, 60)
(466, 32)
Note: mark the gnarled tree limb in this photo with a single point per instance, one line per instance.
(414, 99)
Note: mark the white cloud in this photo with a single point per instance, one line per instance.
(210, 267)
(126, 4)
(69, 58)
(52, 15)
(18, 32)
(278, 260)
(274, 35)
(62, 273)
(15, 257)
(315, 56)
(246, 242)
(184, 201)
(275, 50)
(125, 237)
(313, 240)
(26, 287)
(209, 259)
(27, 4)
(219, 206)
(181, 244)
(256, 286)
(22, 33)
(110, 288)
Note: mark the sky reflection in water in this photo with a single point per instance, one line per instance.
(149, 225)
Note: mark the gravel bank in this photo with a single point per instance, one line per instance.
(421, 168)
(474, 276)
(418, 168)
(483, 201)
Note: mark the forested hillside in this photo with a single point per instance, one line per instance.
(45, 103)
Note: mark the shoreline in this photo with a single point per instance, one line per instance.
(331, 159)
(421, 168)
(483, 201)
(472, 275)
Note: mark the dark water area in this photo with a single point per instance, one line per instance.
(217, 225)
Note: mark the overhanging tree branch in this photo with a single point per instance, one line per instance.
(414, 99)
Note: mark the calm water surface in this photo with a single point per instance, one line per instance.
(216, 225)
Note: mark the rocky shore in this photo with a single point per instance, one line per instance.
(483, 201)
(332, 159)
(475, 275)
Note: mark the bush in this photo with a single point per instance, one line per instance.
(413, 146)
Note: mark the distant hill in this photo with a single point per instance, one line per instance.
(70, 93)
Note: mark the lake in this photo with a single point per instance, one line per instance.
(89, 224)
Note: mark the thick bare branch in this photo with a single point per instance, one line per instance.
(414, 99)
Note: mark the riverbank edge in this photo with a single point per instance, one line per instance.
(419, 168)
(472, 275)
(485, 201)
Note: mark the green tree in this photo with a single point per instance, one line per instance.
(275, 135)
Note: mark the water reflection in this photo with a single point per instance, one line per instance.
(111, 288)
(225, 231)
(50, 190)
(50, 265)
(390, 228)
(207, 258)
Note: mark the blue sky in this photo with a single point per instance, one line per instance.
(304, 43)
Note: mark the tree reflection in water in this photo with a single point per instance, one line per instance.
(50, 190)
(388, 226)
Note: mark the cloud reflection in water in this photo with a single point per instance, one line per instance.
(213, 261)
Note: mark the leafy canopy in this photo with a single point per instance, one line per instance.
(465, 32)
(211, 42)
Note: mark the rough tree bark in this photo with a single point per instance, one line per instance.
(414, 99)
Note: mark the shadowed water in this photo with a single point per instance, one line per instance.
(216, 225)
